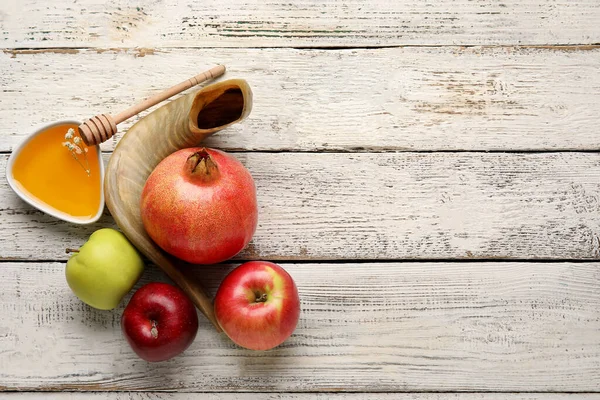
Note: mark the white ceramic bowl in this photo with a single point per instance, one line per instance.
(36, 203)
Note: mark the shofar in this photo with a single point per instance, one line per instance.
(182, 123)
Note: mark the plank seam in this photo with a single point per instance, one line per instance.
(383, 151)
(70, 390)
(371, 261)
(556, 46)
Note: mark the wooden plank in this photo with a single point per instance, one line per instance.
(385, 206)
(364, 327)
(300, 396)
(374, 100)
(254, 23)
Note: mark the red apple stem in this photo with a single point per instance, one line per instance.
(69, 250)
(154, 330)
(261, 299)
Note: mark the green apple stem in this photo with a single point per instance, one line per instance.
(68, 250)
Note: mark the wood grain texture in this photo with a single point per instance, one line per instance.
(363, 327)
(385, 206)
(380, 100)
(298, 396)
(255, 23)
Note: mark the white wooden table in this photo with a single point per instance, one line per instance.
(428, 172)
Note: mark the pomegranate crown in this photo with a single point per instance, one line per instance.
(201, 166)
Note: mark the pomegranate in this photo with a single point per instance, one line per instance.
(199, 205)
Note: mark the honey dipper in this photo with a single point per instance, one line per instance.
(102, 127)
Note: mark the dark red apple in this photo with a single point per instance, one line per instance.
(159, 322)
(257, 305)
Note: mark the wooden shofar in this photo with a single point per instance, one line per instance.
(171, 127)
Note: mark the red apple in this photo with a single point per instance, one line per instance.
(159, 322)
(257, 305)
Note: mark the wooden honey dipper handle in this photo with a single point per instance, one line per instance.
(102, 127)
(136, 109)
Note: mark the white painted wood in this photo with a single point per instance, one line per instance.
(364, 327)
(253, 23)
(297, 396)
(385, 99)
(385, 206)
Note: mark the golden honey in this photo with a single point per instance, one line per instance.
(48, 171)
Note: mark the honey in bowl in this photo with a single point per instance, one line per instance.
(55, 168)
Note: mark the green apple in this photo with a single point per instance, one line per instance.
(104, 269)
